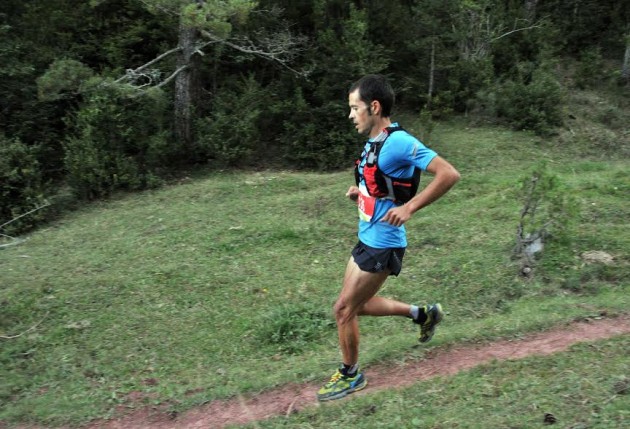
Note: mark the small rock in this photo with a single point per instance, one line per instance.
(83, 324)
(597, 257)
(622, 387)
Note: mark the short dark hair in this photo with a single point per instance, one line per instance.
(375, 87)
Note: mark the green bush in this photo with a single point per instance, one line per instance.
(232, 133)
(21, 186)
(317, 137)
(590, 68)
(534, 104)
(118, 142)
(64, 78)
(465, 80)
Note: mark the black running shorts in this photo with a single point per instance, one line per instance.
(375, 260)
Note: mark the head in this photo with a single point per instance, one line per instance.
(371, 99)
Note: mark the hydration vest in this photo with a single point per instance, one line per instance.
(379, 184)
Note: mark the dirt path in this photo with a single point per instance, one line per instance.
(439, 362)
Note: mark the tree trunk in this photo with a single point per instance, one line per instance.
(431, 74)
(625, 68)
(186, 87)
(530, 9)
(475, 42)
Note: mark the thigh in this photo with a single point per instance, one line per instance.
(359, 286)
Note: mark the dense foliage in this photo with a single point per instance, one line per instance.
(261, 83)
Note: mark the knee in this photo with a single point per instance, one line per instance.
(338, 309)
(343, 312)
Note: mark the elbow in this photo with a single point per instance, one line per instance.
(454, 176)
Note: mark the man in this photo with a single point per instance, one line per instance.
(387, 176)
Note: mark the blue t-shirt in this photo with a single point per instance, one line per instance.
(398, 157)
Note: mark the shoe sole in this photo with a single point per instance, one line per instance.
(344, 393)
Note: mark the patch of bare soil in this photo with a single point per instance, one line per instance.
(439, 362)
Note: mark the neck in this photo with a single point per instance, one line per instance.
(379, 125)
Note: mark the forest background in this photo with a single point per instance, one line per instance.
(105, 95)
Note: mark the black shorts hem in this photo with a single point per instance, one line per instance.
(374, 260)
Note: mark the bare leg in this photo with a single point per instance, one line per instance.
(357, 297)
(379, 306)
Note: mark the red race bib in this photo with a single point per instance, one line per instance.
(366, 204)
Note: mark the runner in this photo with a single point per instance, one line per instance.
(387, 177)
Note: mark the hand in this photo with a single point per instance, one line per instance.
(397, 215)
(353, 193)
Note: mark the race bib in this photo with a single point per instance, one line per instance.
(366, 204)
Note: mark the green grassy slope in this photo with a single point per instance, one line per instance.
(224, 284)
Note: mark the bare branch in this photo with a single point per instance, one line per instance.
(172, 76)
(246, 50)
(10, 337)
(161, 84)
(132, 73)
(15, 241)
(529, 201)
(280, 50)
(537, 25)
(24, 214)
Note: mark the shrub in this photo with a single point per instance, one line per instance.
(316, 137)
(465, 80)
(21, 186)
(535, 105)
(117, 143)
(62, 79)
(590, 68)
(231, 134)
(546, 220)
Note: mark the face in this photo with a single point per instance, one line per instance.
(360, 113)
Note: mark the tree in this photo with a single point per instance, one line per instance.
(480, 23)
(431, 18)
(582, 24)
(625, 68)
(316, 134)
(203, 23)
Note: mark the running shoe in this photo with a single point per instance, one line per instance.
(434, 317)
(341, 385)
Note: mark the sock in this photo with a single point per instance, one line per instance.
(414, 311)
(350, 370)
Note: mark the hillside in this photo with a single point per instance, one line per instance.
(223, 283)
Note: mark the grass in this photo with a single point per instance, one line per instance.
(188, 293)
(585, 387)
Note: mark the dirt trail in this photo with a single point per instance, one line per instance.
(439, 362)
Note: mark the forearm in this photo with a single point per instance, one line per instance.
(445, 177)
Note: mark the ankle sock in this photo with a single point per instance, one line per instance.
(350, 370)
(414, 311)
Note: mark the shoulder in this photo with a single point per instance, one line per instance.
(402, 135)
(402, 149)
(401, 143)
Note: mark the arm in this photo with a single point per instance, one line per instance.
(445, 177)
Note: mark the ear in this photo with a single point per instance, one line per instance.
(375, 107)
